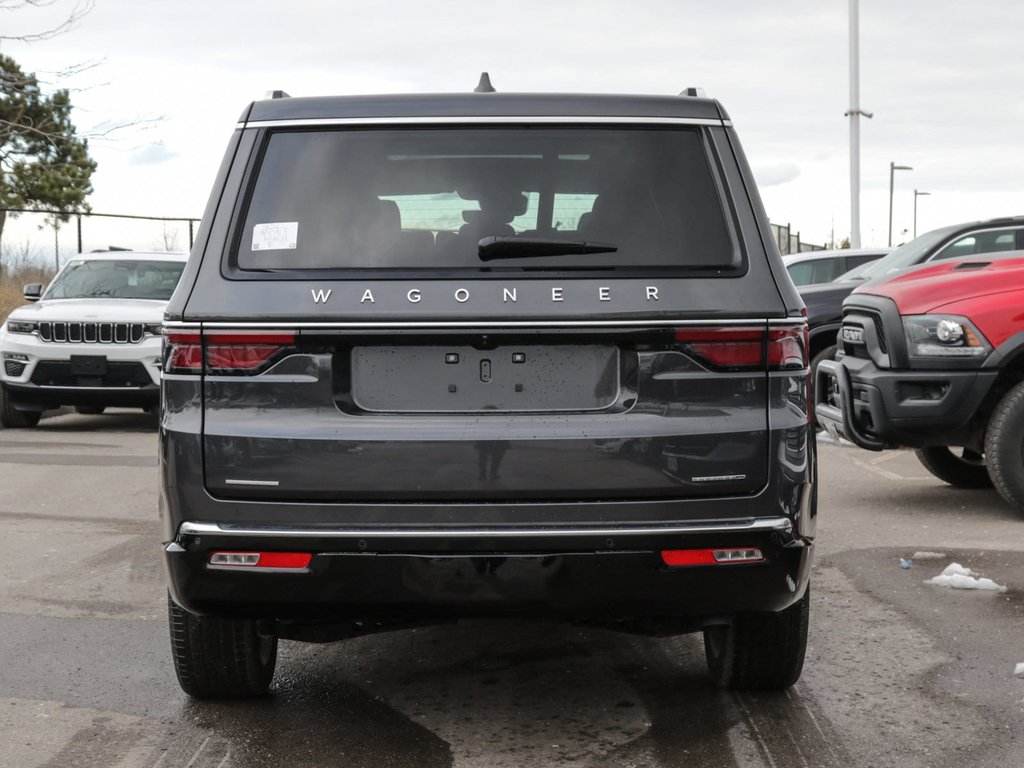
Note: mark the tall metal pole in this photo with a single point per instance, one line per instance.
(892, 169)
(917, 195)
(854, 115)
(892, 173)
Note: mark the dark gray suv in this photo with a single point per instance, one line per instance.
(474, 355)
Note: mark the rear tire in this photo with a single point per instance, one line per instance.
(760, 650)
(11, 418)
(216, 657)
(90, 410)
(1004, 447)
(966, 471)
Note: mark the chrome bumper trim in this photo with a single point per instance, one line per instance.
(738, 526)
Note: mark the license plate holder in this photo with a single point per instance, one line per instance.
(464, 379)
(88, 365)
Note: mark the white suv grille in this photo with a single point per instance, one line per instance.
(91, 333)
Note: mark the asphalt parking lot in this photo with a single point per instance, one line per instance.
(899, 672)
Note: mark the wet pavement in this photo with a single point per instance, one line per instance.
(899, 672)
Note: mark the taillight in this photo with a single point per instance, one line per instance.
(183, 353)
(244, 353)
(747, 347)
(787, 347)
(223, 353)
(725, 346)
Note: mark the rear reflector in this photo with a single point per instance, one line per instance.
(680, 557)
(286, 560)
(688, 557)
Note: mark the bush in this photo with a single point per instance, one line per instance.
(16, 270)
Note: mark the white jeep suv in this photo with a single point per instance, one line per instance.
(92, 340)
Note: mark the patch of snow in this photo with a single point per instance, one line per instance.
(955, 576)
(1019, 670)
(955, 569)
(926, 555)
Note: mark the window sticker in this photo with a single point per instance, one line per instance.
(275, 236)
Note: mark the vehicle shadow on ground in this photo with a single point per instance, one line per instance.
(114, 420)
(494, 693)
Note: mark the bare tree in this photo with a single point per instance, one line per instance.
(169, 240)
(69, 22)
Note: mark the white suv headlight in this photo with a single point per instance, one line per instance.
(943, 336)
(20, 326)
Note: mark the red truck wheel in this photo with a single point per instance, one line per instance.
(965, 471)
(1004, 447)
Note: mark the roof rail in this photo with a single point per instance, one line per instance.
(484, 86)
(276, 95)
(700, 93)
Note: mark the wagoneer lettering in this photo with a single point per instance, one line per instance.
(555, 294)
(543, 361)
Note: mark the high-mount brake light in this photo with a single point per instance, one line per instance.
(289, 561)
(682, 558)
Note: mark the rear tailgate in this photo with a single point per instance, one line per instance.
(530, 414)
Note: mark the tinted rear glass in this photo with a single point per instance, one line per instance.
(424, 198)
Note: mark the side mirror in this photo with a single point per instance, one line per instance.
(33, 291)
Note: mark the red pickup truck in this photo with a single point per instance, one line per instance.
(934, 359)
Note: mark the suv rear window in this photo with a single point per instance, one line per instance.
(423, 198)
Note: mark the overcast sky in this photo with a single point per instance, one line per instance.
(944, 79)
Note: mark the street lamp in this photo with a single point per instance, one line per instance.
(917, 195)
(855, 113)
(892, 171)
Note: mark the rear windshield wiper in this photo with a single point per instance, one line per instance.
(492, 248)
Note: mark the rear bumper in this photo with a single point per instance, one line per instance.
(878, 408)
(610, 574)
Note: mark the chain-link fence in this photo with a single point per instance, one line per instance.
(790, 242)
(33, 236)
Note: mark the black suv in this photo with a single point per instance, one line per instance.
(473, 355)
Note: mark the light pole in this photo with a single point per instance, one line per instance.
(855, 113)
(892, 172)
(917, 195)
